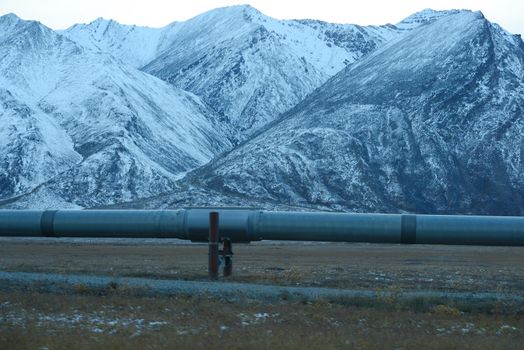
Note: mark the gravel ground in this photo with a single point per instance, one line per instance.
(228, 290)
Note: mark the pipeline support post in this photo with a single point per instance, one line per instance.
(213, 245)
(227, 256)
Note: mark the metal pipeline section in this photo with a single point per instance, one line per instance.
(246, 225)
(91, 223)
(391, 228)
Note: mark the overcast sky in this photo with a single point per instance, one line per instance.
(60, 14)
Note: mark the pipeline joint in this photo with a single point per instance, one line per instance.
(47, 223)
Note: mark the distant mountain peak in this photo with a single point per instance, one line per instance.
(426, 16)
(245, 12)
(7, 21)
(428, 12)
(102, 24)
(25, 32)
(101, 20)
(9, 17)
(238, 8)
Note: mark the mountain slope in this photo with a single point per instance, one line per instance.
(432, 123)
(29, 139)
(89, 130)
(250, 68)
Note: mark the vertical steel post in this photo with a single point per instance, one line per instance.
(213, 245)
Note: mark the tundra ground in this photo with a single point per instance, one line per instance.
(114, 317)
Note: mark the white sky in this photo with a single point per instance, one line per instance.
(60, 14)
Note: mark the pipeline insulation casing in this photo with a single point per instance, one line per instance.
(246, 225)
(91, 223)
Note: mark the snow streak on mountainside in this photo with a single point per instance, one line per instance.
(79, 128)
(432, 123)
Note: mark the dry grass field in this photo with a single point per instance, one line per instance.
(114, 318)
(355, 266)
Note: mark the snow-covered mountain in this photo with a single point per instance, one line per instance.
(247, 66)
(430, 123)
(79, 127)
(424, 116)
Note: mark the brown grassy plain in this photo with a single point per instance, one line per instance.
(115, 319)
